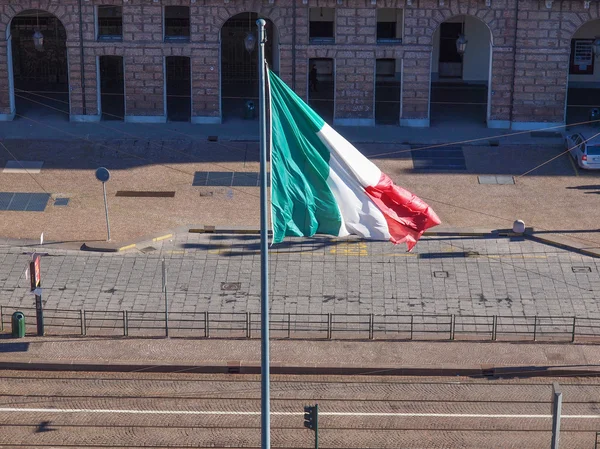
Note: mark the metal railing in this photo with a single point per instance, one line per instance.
(310, 326)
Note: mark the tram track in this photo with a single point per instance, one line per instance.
(93, 410)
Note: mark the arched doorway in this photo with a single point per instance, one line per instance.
(39, 76)
(583, 89)
(460, 82)
(239, 67)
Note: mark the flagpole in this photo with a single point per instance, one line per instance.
(265, 403)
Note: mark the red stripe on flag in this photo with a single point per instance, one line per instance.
(407, 215)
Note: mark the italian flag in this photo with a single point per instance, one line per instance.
(321, 184)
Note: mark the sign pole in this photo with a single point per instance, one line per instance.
(36, 283)
(106, 212)
(265, 403)
(103, 175)
(164, 286)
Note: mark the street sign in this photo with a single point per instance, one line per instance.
(102, 174)
(35, 272)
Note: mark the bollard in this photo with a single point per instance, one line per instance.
(519, 227)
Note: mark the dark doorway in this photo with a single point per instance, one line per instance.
(40, 74)
(179, 89)
(321, 87)
(387, 92)
(112, 88)
(450, 60)
(239, 66)
(459, 83)
(583, 91)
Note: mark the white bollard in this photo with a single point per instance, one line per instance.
(519, 227)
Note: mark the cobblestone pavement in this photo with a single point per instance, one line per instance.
(220, 273)
(136, 409)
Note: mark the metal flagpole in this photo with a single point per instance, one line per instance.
(265, 405)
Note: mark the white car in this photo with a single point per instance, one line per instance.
(585, 149)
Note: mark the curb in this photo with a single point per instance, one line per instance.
(461, 232)
(108, 247)
(252, 369)
(563, 243)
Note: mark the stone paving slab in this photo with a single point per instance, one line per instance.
(444, 275)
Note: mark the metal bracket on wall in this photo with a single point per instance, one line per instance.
(586, 4)
(549, 3)
(488, 3)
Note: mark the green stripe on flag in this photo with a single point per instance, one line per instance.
(302, 203)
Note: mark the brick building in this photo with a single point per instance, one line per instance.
(527, 64)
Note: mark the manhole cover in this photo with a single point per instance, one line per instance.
(230, 286)
(148, 249)
(440, 274)
(581, 269)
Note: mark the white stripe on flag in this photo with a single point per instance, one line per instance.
(365, 171)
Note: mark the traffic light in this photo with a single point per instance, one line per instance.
(311, 416)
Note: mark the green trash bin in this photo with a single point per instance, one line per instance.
(249, 110)
(18, 325)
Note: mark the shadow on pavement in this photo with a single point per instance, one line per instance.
(591, 189)
(243, 249)
(12, 347)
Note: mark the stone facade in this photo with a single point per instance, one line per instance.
(531, 45)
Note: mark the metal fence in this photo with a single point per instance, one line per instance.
(309, 326)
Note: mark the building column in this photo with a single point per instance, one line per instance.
(416, 86)
(540, 84)
(7, 110)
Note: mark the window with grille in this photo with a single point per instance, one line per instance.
(389, 25)
(582, 57)
(322, 25)
(110, 23)
(177, 23)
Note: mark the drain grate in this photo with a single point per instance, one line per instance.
(443, 159)
(144, 194)
(61, 201)
(581, 269)
(29, 202)
(225, 179)
(148, 249)
(440, 274)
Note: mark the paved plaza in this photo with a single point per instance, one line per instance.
(220, 274)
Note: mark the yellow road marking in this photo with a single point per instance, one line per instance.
(350, 249)
(573, 165)
(162, 237)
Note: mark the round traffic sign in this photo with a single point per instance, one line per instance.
(102, 174)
